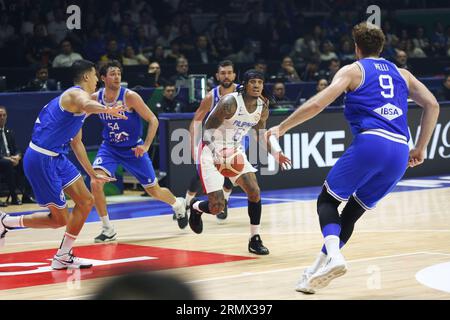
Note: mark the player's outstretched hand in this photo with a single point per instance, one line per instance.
(140, 150)
(102, 178)
(116, 111)
(283, 161)
(416, 157)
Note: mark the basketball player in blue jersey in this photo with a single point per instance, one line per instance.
(225, 76)
(376, 108)
(227, 125)
(49, 171)
(122, 144)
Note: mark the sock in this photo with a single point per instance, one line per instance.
(254, 212)
(202, 206)
(320, 259)
(13, 222)
(227, 194)
(254, 230)
(66, 244)
(332, 245)
(176, 204)
(189, 198)
(106, 223)
(324, 249)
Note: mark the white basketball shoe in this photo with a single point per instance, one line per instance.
(334, 267)
(69, 261)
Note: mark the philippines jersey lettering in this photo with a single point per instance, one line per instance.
(55, 127)
(232, 131)
(380, 101)
(120, 132)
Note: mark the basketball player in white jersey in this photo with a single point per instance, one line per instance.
(231, 119)
(226, 76)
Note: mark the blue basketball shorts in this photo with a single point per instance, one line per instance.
(109, 157)
(369, 169)
(49, 176)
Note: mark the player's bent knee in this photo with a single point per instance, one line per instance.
(254, 195)
(87, 202)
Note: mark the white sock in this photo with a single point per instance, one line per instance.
(66, 244)
(177, 204)
(320, 260)
(332, 245)
(106, 223)
(189, 198)
(227, 194)
(254, 229)
(13, 222)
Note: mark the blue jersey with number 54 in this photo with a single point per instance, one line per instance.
(380, 101)
(120, 132)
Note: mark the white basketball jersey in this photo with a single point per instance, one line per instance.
(231, 132)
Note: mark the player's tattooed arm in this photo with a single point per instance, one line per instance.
(224, 109)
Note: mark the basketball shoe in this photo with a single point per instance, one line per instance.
(3, 229)
(255, 245)
(107, 235)
(69, 261)
(333, 268)
(181, 213)
(303, 283)
(195, 218)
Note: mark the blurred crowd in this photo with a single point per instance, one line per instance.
(180, 33)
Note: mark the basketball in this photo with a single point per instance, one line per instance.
(230, 162)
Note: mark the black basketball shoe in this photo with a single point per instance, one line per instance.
(256, 246)
(195, 218)
(221, 217)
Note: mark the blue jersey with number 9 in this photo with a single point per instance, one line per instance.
(380, 101)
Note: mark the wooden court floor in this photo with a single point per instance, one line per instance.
(407, 232)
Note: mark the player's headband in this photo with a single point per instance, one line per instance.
(252, 74)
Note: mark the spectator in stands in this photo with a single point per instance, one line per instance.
(279, 95)
(420, 41)
(443, 94)
(287, 71)
(328, 52)
(154, 76)
(166, 36)
(186, 39)
(333, 67)
(143, 44)
(95, 46)
(130, 58)
(439, 43)
(169, 103)
(67, 57)
(413, 51)
(6, 30)
(40, 47)
(221, 43)
(41, 82)
(27, 26)
(57, 29)
(321, 84)
(174, 53)
(112, 52)
(245, 55)
(11, 167)
(204, 52)
(347, 51)
(312, 70)
(261, 66)
(401, 60)
(182, 68)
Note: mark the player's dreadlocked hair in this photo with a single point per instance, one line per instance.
(255, 74)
